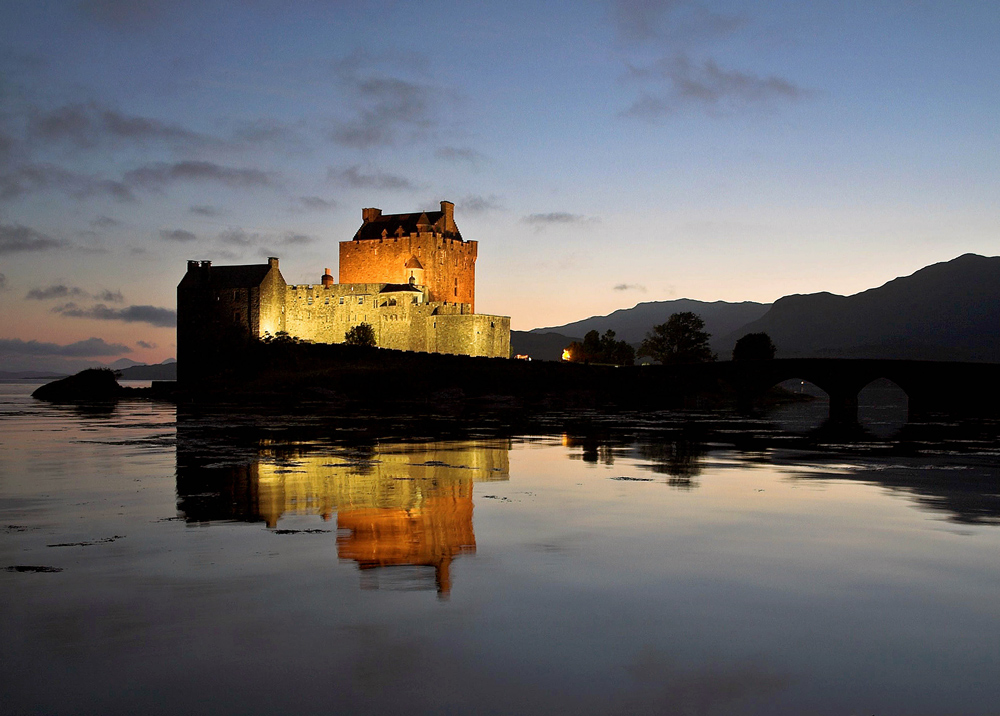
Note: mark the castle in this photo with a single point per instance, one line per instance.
(411, 277)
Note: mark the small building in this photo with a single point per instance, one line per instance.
(411, 277)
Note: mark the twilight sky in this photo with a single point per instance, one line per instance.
(603, 153)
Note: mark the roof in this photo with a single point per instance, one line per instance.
(249, 276)
(413, 263)
(392, 223)
(393, 287)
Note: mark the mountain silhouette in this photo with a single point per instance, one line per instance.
(631, 324)
(946, 311)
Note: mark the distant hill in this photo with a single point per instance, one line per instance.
(631, 324)
(540, 346)
(947, 311)
(161, 371)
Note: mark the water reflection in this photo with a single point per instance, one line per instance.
(396, 505)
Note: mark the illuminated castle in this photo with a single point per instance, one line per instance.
(411, 277)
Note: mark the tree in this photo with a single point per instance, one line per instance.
(681, 339)
(361, 335)
(600, 349)
(754, 346)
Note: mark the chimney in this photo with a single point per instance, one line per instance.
(206, 264)
(272, 261)
(370, 214)
(327, 278)
(448, 209)
(193, 265)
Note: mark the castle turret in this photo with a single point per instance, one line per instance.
(448, 211)
(327, 278)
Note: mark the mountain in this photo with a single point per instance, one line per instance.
(161, 371)
(631, 324)
(946, 311)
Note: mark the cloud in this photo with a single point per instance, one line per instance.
(238, 237)
(92, 347)
(630, 287)
(354, 177)
(476, 204)
(105, 222)
(315, 203)
(89, 125)
(206, 210)
(126, 14)
(557, 217)
(459, 154)
(64, 291)
(682, 82)
(144, 344)
(58, 291)
(179, 235)
(28, 178)
(158, 175)
(292, 239)
(152, 315)
(678, 22)
(22, 239)
(268, 131)
(384, 106)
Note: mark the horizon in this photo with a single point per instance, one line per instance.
(644, 151)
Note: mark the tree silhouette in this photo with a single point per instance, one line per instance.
(600, 349)
(754, 346)
(360, 335)
(682, 339)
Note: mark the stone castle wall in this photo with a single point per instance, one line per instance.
(449, 265)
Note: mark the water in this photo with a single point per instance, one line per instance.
(262, 564)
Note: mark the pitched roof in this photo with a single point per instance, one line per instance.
(393, 287)
(413, 263)
(392, 223)
(228, 276)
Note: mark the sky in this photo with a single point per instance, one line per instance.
(602, 153)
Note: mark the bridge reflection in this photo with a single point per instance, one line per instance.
(395, 504)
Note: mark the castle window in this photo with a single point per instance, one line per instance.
(309, 300)
(361, 300)
(236, 295)
(341, 300)
(327, 301)
(236, 318)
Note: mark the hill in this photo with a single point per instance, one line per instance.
(631, 324)
(540, 346)
(946, 311)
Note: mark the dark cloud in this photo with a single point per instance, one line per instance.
(557, 217)
(677, 21)
(28, 178)
(315, 203)
(292, 239)
(160, 174)
(630, 287)
(90, 348)
(90, 125)
(355, 177)
(110, 296)
(238, 237)
(206, 210)
(476, 204)
(384, 106)
(177, 235)
(57, 291)
(22, 239)
(270, 132)
(680, 82)
(105, 222)
(152, 315)
(144, 344)
(459, 154)
(125, 14)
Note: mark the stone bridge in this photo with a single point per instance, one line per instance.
(932, 387)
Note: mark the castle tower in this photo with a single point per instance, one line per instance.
(386, 245)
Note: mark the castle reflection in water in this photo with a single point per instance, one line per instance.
(396, 504)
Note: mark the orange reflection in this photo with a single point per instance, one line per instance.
(398, 504)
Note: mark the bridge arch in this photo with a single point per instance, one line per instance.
(883, 407)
